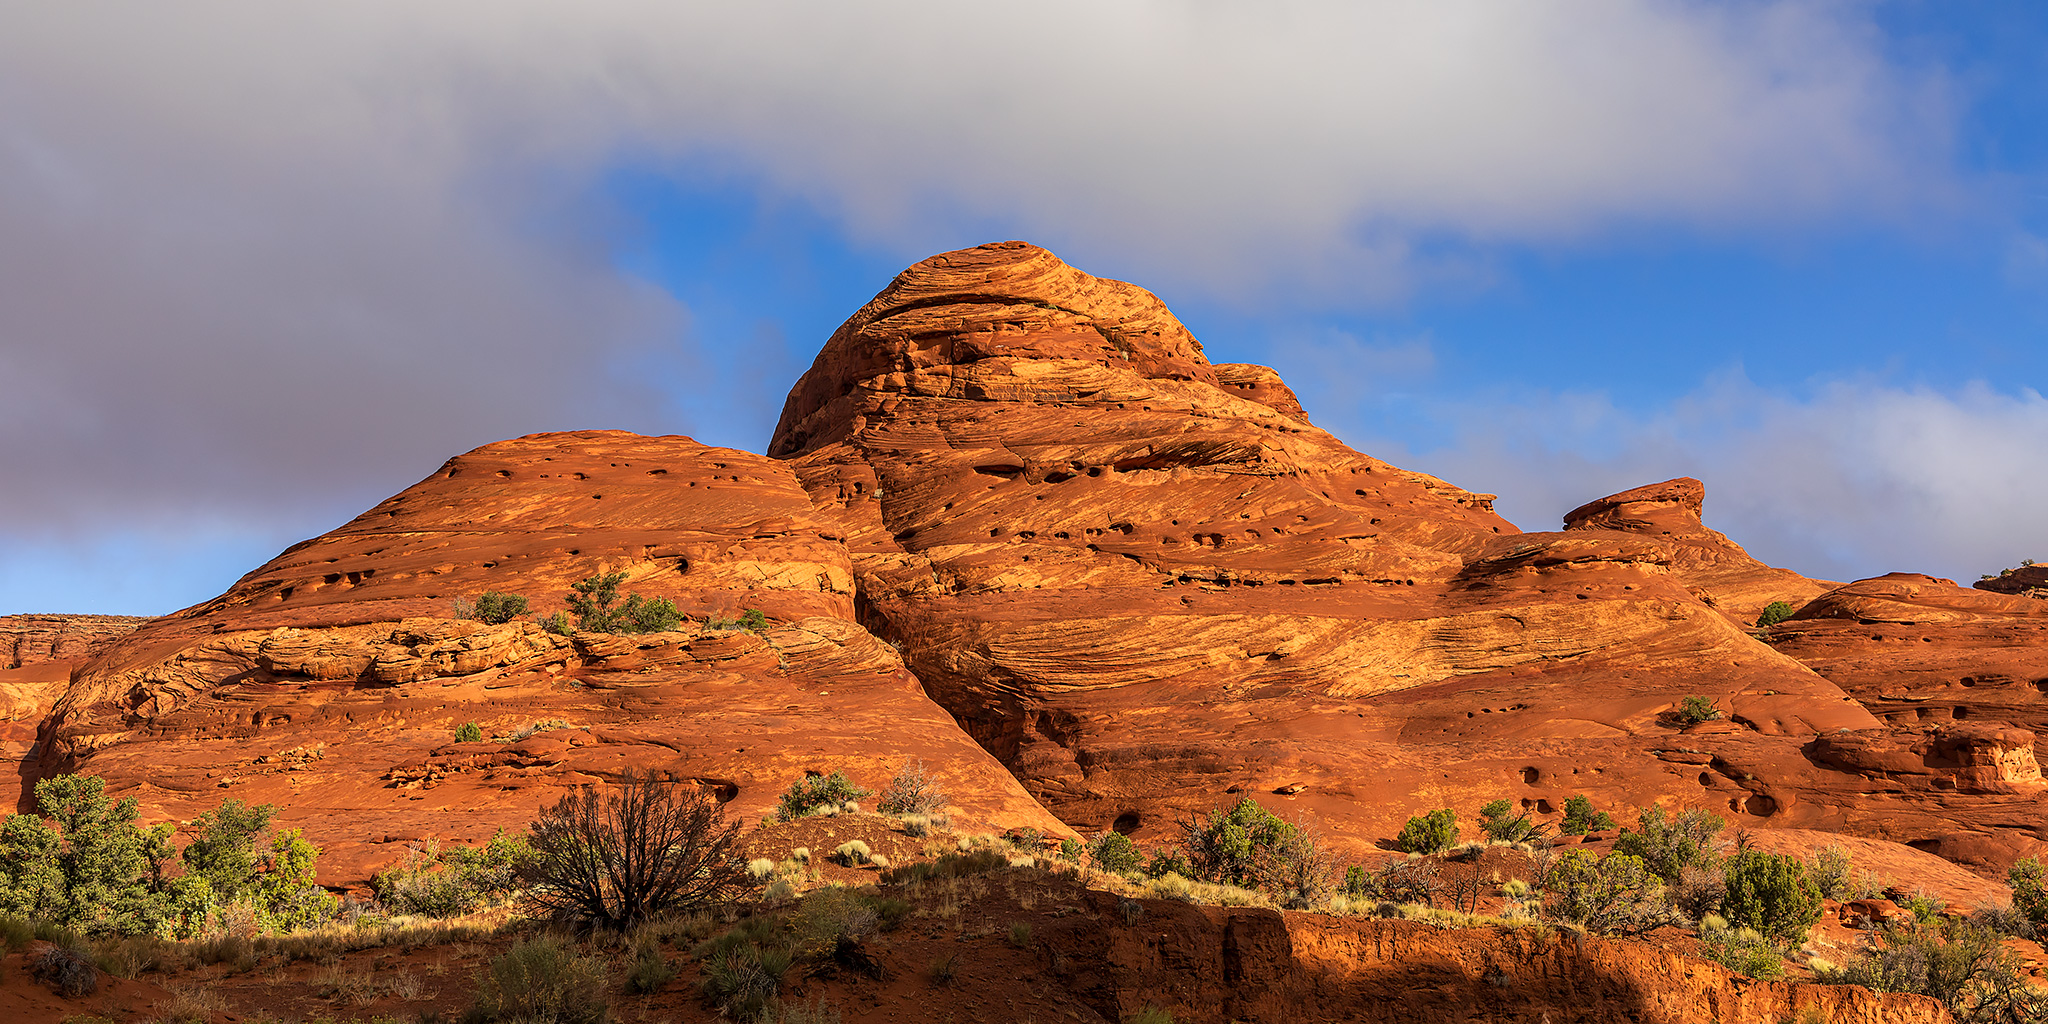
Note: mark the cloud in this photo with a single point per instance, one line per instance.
(1852, 479)
(264, 262)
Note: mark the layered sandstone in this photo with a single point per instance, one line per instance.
(1016, 524)
(330, 681)
(1713, 568)
(1145, 582)
(40, 639)
(37, 654)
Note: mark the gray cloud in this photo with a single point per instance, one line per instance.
(264, 262)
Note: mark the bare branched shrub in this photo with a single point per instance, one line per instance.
(913, 791)
(1698, 890)
(623, 856)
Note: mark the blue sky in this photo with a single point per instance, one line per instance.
(260, 269)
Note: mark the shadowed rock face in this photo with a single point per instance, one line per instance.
(1125, 584)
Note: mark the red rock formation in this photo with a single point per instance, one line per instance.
(1713, 568)
(40, 639)
(1940, 663)
(1134, 582)
(37, 654)
(2026, 581)
(1215, 964)
(330, 681)
(1147, 583)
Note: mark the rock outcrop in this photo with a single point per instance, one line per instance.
(1016, 524)
(330, 681)
(40, 639)
(2027, 580)
(1145, 582)
(1713, 568)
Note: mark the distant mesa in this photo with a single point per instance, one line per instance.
(1014, 522)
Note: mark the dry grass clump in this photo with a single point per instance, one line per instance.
(332, 940)
(193, 1004)
(1172, 886)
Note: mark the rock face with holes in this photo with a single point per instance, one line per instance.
(331, 681)
(1146, 582)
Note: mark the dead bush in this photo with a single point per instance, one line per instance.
(637, 851)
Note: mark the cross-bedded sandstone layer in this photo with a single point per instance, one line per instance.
(330, 680)
(1146, 582)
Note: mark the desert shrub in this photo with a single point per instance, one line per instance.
(1415, 880)
(835, 918)
(1831, 872)
(1669, 845)
(1071, 850)
(558, 624)
(492, 608)
(433, 881)
(1249, 847)
(1771, 893)
(1580, 817)
(1503, 823)
(540, 979)
(1150, 1015)
(643, 849)
(814, 793)
(1742, 950)
(1429, 833)
(1925, 907)
(66, 970)
(912, 791)
(1166, 861)
(224, 852)
(1694, 710)
(852, 853)
(743, 979)
(1774, 613)
(2003, 918)
(89, 865)
(1617, 893)
(287, 898)
(1965, 966)
(952, 865)
(598, 609)
(650, 970)
(753, 619)
(1115, 853)
(1699, 890)
(2030, 890)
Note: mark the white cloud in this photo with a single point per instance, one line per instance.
(257, 258)
(1853, 479)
